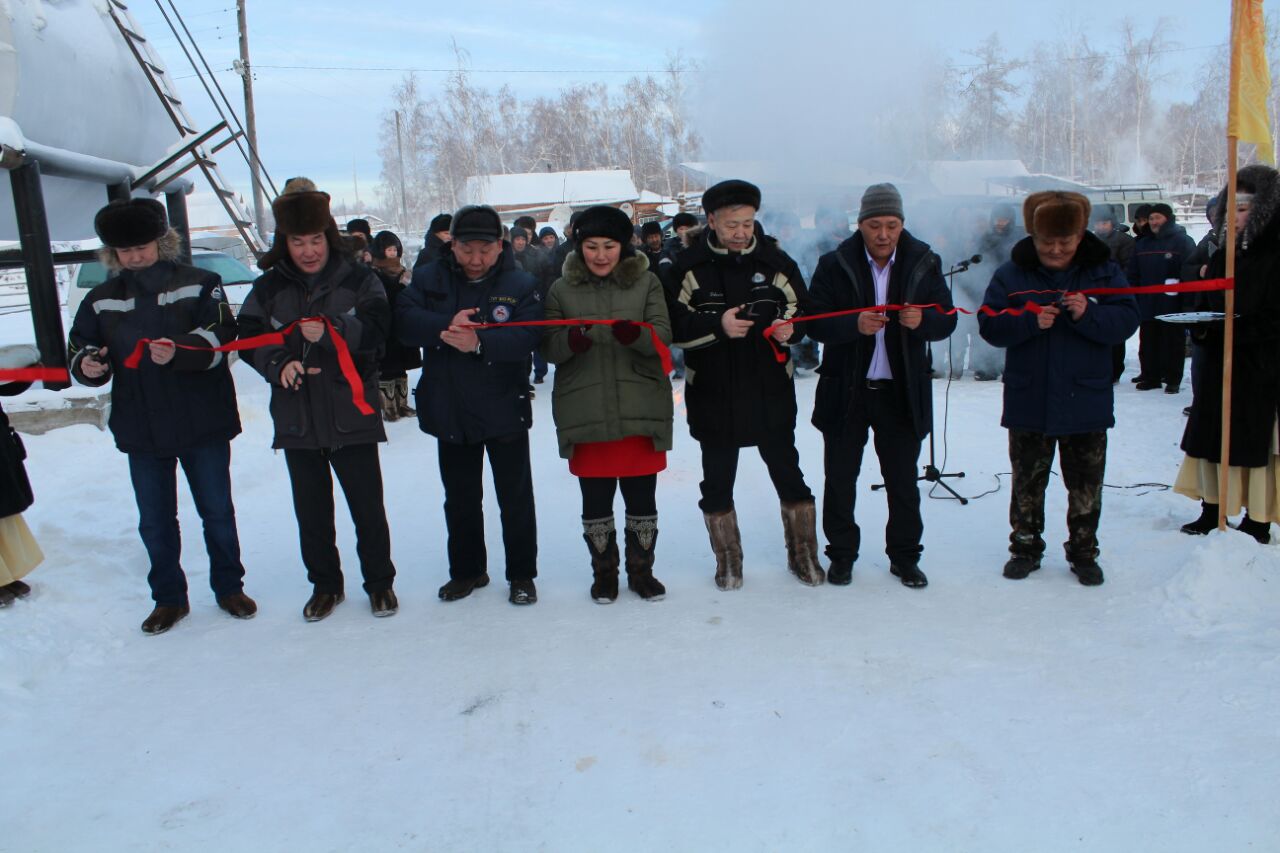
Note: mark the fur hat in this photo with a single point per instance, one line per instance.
(1142, 211)
(527, 222)
(476, 222)
(1056, 214)
(603, 221)
(1164, 210)
(298, 185)
(383, 241)
(441, 222)
(731, 194)
(684, 220)
(360, 226)
(1263, 183)
(881, 200)
(518, 231)
(300, 211)
(650, 228)
(136, 222)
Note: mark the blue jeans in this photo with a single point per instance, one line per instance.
(155, 486)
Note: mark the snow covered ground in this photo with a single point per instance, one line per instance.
(979, 714)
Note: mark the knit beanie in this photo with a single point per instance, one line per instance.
(881, 200)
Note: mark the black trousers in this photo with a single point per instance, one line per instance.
(639, 495)
(1084, 462)
(462, 472)
(360, 476)
(720, 471)
(886, 416)
(1162, 351)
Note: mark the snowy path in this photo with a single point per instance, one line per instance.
(979, 714)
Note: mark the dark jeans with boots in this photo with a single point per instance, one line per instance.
(462, 472)
(1084, 459)
(155, 486)
(886, 416)
(360, 475)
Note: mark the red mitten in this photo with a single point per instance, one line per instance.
(578, 340)
(626, 332)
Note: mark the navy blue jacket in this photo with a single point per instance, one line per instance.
(161, 409)
(1057, 381)
(1157, 258)
(465, 398)
(842, 281)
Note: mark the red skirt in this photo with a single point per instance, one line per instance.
(632, 456)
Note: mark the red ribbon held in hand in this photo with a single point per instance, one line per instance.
(35, 374)
(345, 362)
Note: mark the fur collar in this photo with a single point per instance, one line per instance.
(1263, 221)
(627, 273)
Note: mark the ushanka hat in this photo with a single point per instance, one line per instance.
(136, 222)
(1164, 210)
(603, 221)
(299, 211)
(733, 193)
(441, 222)
(1056, 214)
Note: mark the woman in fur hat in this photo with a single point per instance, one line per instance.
(398, 358)
(1252, 473)
(177, 406)
(1057, 374)
(310, 278)
(612, 401)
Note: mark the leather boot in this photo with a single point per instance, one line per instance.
(1205, 524)
(799, 526)
(1259, 530)
(726, 544)
(602, 541)
(387, 394)
(402, 398)
(164, 617)
(642, 539)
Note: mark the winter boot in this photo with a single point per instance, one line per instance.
(1021, 565)
(387, 393)
(726, 544)
(602, 541)
(402, 399)
(1088, 572)
(1260, 530)
(1205, 524)
(799, 526)
(642, 538)
(164, 617)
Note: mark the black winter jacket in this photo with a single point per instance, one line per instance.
(171, 408)
(397, 358)
(15, 488)
(467, 398)
(1158, 258)
(842, 281)
(736, 391)
(432, 250)
(321, 414)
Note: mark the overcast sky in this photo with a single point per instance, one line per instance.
(318, 110)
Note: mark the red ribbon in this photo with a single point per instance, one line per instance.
(1029, 307)
(664, 351)
(35, 374)
(345, 363)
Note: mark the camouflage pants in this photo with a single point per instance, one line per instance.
(1084, 459)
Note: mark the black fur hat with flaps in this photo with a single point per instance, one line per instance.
(136, 222)
(301, 209)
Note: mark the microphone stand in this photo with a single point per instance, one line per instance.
(932, 473)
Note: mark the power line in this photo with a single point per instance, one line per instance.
(469, 70)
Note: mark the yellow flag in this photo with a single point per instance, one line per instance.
(1247, 116)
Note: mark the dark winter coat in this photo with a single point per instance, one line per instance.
(321, 414)
(1256, 350)
(842, 281)
(1205, 250)
(397, 358)
(467, 398)
(996, 246)
(432, 250)
(1120, 245)
(15, 488)
(161, 409)
(1156, 259)
(736, 392)
(612, 390)
(1057, 381)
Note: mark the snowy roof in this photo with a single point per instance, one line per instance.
(539, 188)
(968, 177)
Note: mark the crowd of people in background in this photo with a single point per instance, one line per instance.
(731, 301)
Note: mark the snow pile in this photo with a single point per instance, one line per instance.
(1228, 584)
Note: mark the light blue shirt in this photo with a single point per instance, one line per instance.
(880, 358)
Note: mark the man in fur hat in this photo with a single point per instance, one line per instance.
(1057, 385)
(177, 406)
(473, 395)
(309, 278)
(1158, 258)
(874, 377)
(731, 285)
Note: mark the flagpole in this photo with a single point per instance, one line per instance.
(1228, 332)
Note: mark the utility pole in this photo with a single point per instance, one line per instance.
(404, 207)
(250, 123)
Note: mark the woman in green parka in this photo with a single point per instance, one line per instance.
(612, 400)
